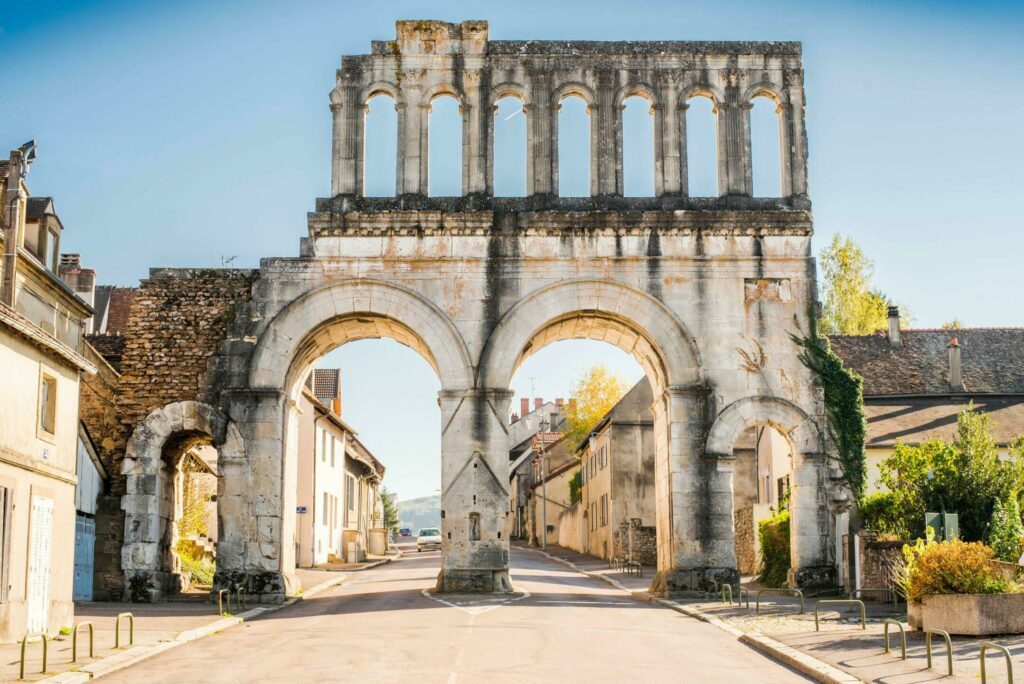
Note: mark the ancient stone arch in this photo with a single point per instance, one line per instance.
(703, 291)
(149, 502)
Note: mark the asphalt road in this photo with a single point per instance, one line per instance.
(379, 626)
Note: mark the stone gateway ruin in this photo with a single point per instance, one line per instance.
(702, 291)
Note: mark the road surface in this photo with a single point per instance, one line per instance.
(380, 626)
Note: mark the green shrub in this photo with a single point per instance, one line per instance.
(1007, 533)
(576, 487)
(881, 514)
(201, 569)
(774, 537)
(955, 567)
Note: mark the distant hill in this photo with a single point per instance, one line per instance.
(419, 513)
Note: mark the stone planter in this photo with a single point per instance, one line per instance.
(969, 614)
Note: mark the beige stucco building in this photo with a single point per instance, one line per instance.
(337, 498)
(41, 357)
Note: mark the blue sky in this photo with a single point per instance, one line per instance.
(189, 132)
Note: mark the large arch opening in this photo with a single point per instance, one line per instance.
(702, 147)
(766, 146)
(624, 509)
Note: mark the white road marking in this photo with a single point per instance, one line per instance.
(473, 607)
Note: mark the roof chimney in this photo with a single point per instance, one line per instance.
(956, 378)
(559, 401)
(537, 402)
(524, 406)
(894, 327)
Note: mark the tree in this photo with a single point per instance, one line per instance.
(965, 476)
(1007, 535)
(593, 394)
(390, 511)
(852, 305)
(576, 487)
(954, 324)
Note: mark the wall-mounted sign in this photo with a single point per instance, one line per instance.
(300, 509)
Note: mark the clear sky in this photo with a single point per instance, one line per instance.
(191, 132)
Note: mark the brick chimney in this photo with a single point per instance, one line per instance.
(81, 280)
(956, 377)
(559, 401)
(537, 402)
(894, 327)
(524, 406)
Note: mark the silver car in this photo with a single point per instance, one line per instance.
(428, 538)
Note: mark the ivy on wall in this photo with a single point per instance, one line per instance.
(844, 407)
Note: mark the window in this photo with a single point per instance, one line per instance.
(48, 404)
(380, 146)
(350, 498)
(323, 445)
(327, 508)
(765, 148)
(444, 148)
(6, 508)
(701, 147)
(573, 147)
(509, 149)
(593, 515)
(334, 445)
(638, 147)
(604, 510)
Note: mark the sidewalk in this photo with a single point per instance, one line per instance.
(841, 651)
(158, 627)
(590, 564)
(155, 624)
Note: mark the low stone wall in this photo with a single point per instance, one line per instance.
(746, 537)
(635, 542)
(877, 559)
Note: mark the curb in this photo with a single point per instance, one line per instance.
(137, 654)
(818, 670)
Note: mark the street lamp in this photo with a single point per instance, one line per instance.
(543, 425)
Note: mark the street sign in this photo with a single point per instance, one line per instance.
(300, 509)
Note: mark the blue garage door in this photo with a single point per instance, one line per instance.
(85, 545)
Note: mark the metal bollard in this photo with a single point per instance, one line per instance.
(24, 642)
(847, 602)
(74, 639)
(903, 636)
(739, 595)
(117, 629)
(1006, 653)
(220, 600)
(727, 592)
(949, 647)
(239, 603)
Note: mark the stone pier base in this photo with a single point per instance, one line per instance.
(813, 576)
(687, 582)
(257, 586)
(455, 581)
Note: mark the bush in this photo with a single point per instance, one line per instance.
(955, 567)
(774, 537)
(201, 569)
(880, 514)
(1007, 534)
(576, 487)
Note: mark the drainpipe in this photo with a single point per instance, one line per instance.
(312, 538)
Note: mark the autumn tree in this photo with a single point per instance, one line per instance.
(852, 305)
(593, 394)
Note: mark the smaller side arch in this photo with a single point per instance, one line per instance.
(508, 89)
(571, 89)
(702, 89)
(638, 89)
(780, 413)
(382, 88)
(766, 89)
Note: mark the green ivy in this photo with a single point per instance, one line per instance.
(576, 487)
(844, 406)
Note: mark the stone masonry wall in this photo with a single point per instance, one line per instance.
(746, 558)
(178, 318)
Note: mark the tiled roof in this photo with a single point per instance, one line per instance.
(913, 421)
(38, 207)
(359, 452)
(109, 346)
(992, 360)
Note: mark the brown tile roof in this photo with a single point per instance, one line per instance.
(119, 308)
(913, 421)
(38, 207)
(359, 452)
(109, 345)
(992, 360)
(327, 383)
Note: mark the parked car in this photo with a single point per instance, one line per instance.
(429, 538)
(405, 532)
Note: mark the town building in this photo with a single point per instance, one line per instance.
(617, 461)
(42, 356)
(547, 418)
(917, 381)
(338, 503)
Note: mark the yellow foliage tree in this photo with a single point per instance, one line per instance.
(593, 394)
(852, 306)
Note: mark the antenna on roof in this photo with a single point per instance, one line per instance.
(226, 261)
